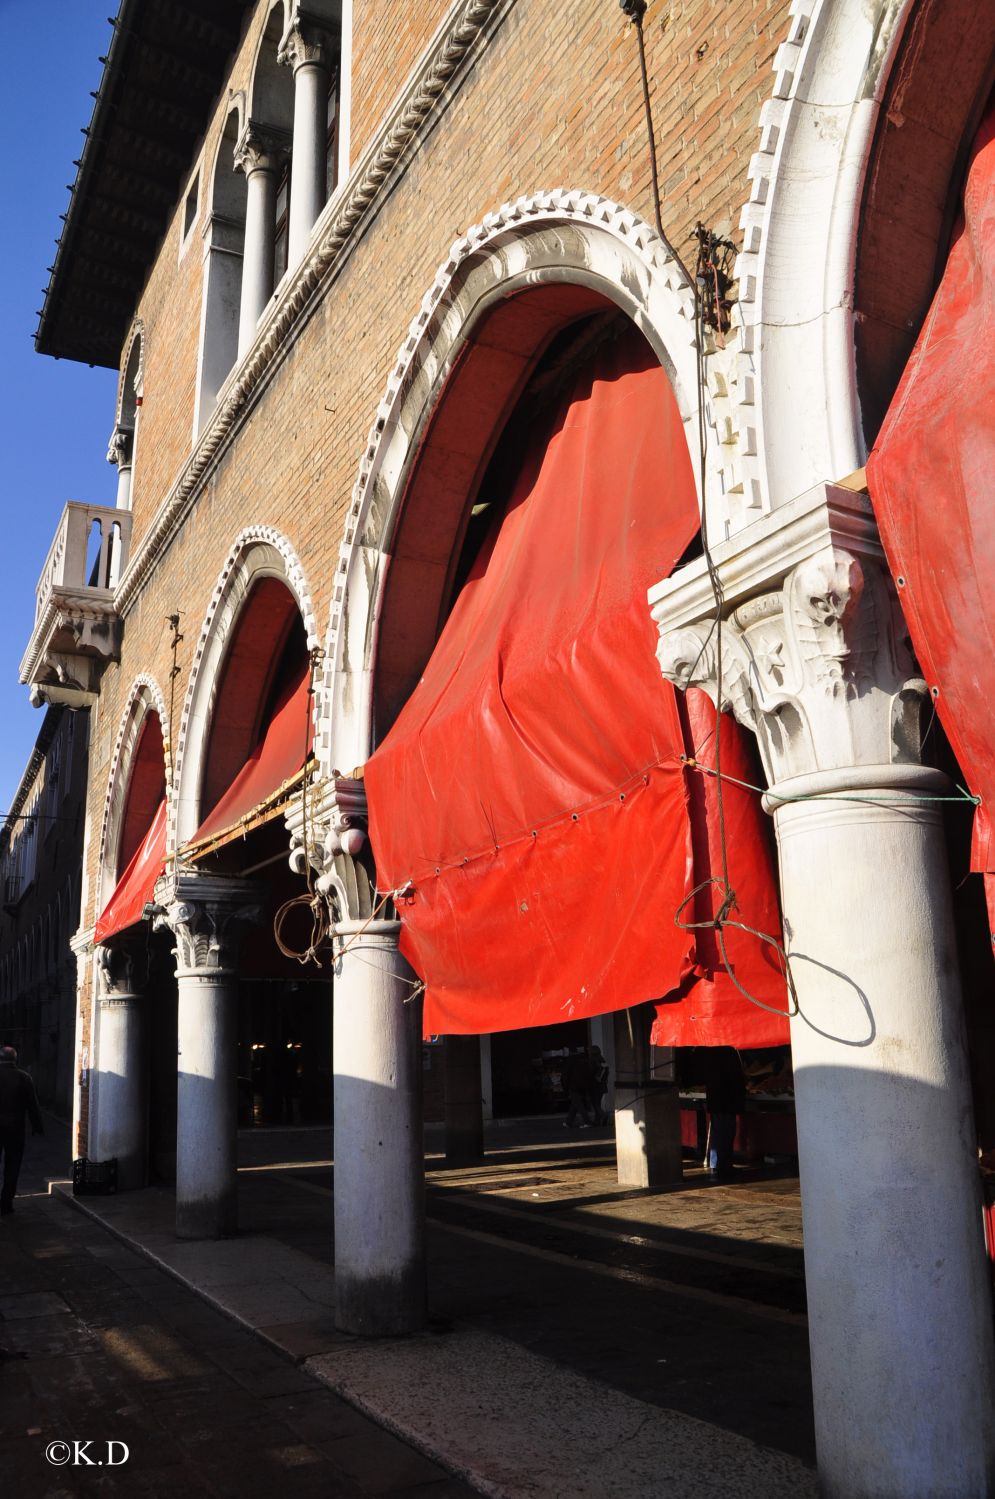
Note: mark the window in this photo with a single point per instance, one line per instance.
(282, 233)
(332, 134)
(190, 206)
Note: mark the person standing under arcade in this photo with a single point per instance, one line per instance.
(17, 1101)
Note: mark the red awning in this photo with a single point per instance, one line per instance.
(532, 788)
(134, 889)
(931, 478)
(278, 758)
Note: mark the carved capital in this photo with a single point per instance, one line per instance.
(305, 44)
(333, 838)
(116, 969)
(205, 915)
(261, 148)
(119, 447)
(816, 663)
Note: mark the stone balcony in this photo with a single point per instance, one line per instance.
(77, 630)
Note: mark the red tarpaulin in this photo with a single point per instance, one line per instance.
(931, 478)
(134, 889)
(279, 755)
(532, 789)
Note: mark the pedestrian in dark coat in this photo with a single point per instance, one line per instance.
(17, 1103)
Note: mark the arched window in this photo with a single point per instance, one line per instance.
(124, 439)
(224, 241)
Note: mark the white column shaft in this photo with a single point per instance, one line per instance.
(307, 183)
(123, 498)
(206, 1105)
(122, 1092)
(257, 261)
(379, 1160)
(898, 1291)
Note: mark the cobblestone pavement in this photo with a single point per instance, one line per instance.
(98, 1345)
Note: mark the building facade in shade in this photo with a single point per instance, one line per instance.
(41, 859)
(384, 286)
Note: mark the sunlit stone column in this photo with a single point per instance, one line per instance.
(305, 48)
(379, 1156)
(814, 661)
(121, 1065)
(205, 915)
(259, 154)
(120, 452)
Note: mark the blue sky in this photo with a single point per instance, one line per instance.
(57, 416)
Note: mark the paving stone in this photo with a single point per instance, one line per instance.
(207, 1412)
(379, 1462)
(32, 1304)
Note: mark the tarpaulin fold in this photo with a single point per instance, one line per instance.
(532, 788)
(931, 478)
(135, 888)
(280, 754)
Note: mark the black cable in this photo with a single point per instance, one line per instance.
(636, 10)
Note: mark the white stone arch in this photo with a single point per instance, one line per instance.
(144, 696)
(131, 381)
(558, 237)
(802, 226)
(257, 552)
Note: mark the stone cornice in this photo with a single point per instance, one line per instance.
(429, 92)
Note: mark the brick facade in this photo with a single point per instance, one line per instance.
(549, 100)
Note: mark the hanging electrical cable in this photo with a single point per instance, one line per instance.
(709, 288)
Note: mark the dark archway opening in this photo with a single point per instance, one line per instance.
(518, 363)
(284, 1047)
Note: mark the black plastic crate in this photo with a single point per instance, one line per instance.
(94, 1178)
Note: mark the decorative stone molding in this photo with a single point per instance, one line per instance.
(136, 336)
(546, 236)
(204, 913)
(257, 552)
(144, 696)
(815, 659)
(116, 971)
(794, 316)
(261, 148)
(334, 841)
(429, 93)
(305, 43)
(119, 447)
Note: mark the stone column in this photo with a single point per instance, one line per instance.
(204, 914)
(305, 48)
(647, 1109)
(463, 1103)
(259, 154)
(379, 1156)
(814, 661)
(121, 1128)
(120, 452)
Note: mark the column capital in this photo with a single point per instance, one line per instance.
(204, 913)
(815, 657)
(261, 148)
(116, 969)
(306, 42)
(119, 447)
(333, 839)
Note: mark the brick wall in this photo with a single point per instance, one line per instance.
(553, 101)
